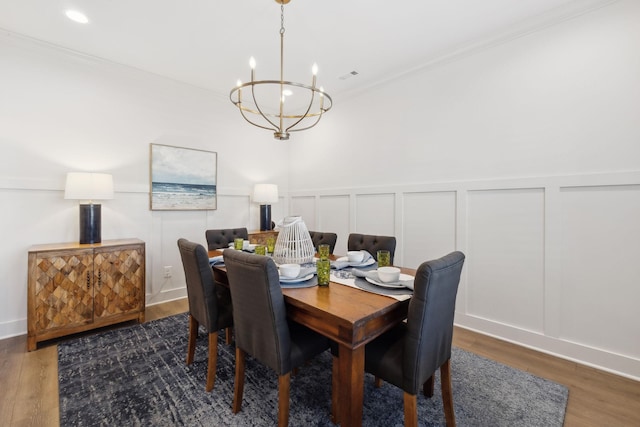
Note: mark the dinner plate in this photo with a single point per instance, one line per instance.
(392, 285)
(370, 261)
(296, 279)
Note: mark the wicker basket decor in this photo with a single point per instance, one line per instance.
(294, 245)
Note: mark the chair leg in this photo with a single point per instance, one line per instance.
(410, 410)
(335, 383)
(447, 394)
(427, 387)
(193, 335)
(228, 335)
(239, 381)
(377, 382)
(213, 359)
(283, 399)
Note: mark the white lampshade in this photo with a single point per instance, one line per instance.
(265, 194)
(88, 186)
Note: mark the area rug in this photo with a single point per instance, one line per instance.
(137, 376)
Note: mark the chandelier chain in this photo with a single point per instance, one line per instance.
(281, 18)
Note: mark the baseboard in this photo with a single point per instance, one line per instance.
(614, 363)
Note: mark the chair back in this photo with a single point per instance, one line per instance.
(372, 244)
(427, 343)
(320, 238)
(201, 293)
(220, 238)
(259, 312)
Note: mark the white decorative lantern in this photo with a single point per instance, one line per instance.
(294, 245)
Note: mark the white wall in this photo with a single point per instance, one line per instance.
(61, 112)
(525, 156)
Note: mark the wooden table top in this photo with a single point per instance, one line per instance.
(348, 315)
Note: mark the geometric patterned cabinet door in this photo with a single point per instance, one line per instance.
(74, 288)
(117, 278)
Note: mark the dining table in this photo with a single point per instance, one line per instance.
(350, 317)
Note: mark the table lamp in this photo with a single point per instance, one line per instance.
(265, 194)
(87, 187)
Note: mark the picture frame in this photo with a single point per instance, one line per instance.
(182, 178)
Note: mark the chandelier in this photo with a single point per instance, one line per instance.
(279, 105)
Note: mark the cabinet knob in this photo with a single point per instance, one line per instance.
(88, 280)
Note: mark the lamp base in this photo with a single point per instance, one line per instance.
(265, 217)
(90, 223)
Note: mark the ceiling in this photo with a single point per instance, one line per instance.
(207, 43)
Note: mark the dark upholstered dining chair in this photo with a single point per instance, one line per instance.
(409, 355)
(319, 238)
(372, 244)
(220, 238)
(261, 326)
(209, 305)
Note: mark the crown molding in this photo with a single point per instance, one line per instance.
(523, 28)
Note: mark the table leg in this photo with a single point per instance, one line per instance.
(351, 389)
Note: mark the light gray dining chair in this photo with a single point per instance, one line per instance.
(262, 328)
(408, 355)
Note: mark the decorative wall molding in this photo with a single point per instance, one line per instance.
(536, 273)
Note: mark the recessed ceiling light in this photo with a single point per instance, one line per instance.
(76, 16)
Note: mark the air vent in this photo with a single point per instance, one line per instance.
(349, 75)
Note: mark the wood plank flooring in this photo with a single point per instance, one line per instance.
(29, 380)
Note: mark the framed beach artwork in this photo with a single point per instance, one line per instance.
(183, 178)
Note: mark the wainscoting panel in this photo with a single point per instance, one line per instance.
(505, 258)
(375, 214)
(600, 269)
(234, 210)
(334, 217)
(429, 226)
(306, 208)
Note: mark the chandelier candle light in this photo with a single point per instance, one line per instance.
(280, 119)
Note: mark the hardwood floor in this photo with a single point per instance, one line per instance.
(29, 380)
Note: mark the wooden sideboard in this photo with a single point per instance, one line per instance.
(260, 237)
(75, 287)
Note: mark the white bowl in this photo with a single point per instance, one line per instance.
(289, 270)
(389, 274)
(355, 256)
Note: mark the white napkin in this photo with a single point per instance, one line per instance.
(339, 265)
(367, 256)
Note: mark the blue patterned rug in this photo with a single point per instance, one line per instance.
(137, 376)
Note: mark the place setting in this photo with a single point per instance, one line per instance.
(297, 276)
(240, 244)
(354, 259)
(361, 270)
(385, 281)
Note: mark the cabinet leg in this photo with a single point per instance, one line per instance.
(31, 343)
